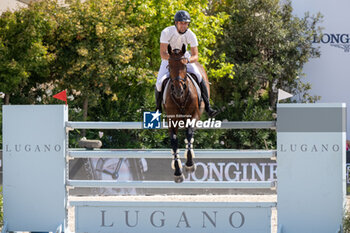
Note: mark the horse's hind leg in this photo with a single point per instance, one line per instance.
(190, 166)
(176, 163)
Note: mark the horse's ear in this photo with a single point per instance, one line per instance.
(169, 49)
(183, 48)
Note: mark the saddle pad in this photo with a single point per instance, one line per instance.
(165, 89)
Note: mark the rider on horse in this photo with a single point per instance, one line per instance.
(176, 36)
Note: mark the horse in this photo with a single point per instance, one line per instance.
(182, 105)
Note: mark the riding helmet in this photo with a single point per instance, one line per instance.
(182, 16)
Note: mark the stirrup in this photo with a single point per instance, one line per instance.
(212, 112)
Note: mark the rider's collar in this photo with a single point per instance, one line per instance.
(181, 33)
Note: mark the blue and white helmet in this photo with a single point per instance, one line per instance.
(182, 16)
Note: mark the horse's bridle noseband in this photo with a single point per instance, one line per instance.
(184, 85)
(179, 78)
(177, 59)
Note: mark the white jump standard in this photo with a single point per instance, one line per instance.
(310, 177)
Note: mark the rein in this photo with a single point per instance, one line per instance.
(183, 104)
(180, 105)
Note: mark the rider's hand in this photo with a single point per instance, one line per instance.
(185, 61)
(188, 57)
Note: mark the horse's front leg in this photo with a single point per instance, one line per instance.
(176, 163)
(189, 153)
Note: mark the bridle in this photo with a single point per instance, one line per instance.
(177, 59)
(181, 105)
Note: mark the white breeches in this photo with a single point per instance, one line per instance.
(164, 73)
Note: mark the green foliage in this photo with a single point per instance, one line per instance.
(23, 54)
(269, 47)
(95, 47)
(106, 54)
(124, 37)
(346, 222)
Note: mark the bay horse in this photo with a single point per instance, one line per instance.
(182, 104)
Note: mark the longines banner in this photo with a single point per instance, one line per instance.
(152, 169)
(329, 74)
(159, 169)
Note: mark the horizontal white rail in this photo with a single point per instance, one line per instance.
(139, 125)
(172, 184)
(183, 203)
(165, 154)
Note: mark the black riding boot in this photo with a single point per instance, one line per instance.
(158, 100)
(211, 112)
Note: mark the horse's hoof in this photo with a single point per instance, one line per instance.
(190, 169)
(179, 179)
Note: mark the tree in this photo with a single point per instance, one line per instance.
(124, 37)
(93, 45)
(23, 55)
(106, 54)
(269, 47)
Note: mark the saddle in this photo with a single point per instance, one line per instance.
(193, 79)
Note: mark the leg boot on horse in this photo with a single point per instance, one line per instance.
(190, 166)
(176, 163)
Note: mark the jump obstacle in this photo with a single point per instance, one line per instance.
(310, 185)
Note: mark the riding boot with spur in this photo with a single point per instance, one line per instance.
(158, 100)
(211, 112)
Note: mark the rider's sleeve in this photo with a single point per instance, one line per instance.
(164, 36)
(192, 39)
